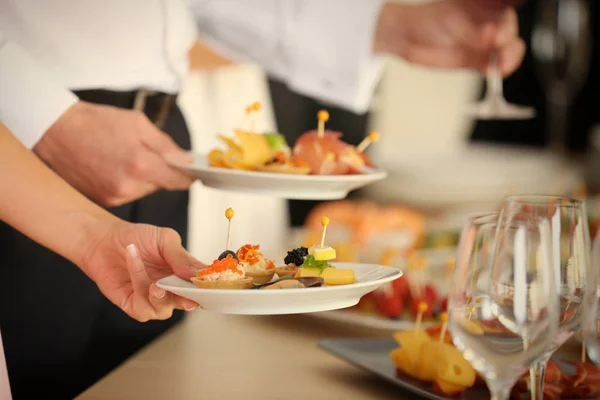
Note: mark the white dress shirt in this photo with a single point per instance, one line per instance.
(48, 48)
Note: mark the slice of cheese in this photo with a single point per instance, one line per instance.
(322, 253)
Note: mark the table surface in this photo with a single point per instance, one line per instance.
(214, 356)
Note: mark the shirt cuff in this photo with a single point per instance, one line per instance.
(30, 99)
(332, 52)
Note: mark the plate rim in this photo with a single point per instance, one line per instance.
(377, 174)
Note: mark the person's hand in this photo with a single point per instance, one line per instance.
(452, 33)
(125, 260)
(111, 155)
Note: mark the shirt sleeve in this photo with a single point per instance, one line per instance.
(322, 49)
(31, 100)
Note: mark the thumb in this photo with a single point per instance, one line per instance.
(176, 256)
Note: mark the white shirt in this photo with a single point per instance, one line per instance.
(50, 47)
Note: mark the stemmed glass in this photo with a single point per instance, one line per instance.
(592, 329)
(503, 308)
(494, 105)
(576, 285)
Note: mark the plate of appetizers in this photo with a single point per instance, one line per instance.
(426, 362)
(309, 280)
(320, 165)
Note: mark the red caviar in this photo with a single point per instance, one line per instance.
(227, 263)
(249, 253)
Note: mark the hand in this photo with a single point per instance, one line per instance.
(452, 33)
(125, 260)
(113, 156)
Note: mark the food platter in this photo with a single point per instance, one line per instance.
(286, 186)
(320, 165)
(288, 301)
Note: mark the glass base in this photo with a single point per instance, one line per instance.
(499, 109)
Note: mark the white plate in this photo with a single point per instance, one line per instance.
(286, 186)
(285, 301)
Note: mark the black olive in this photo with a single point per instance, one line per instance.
(227, 252)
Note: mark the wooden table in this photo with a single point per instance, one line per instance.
(212, 356)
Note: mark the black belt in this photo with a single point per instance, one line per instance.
(156, 105)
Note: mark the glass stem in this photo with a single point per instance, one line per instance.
(536, 379)
(500, 392)
(494, 78)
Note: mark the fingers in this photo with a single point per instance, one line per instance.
(511, 57)
(508, 28)
(162, 144)
(165, 176)
(511, 47)
(164, 302)
(148, 301)
(137, 271)
(175, 255)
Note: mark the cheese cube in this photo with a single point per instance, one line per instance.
(322, 253)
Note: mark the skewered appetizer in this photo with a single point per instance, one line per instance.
(316, 152)
(255, 264)
(316, 263)
(432, 360)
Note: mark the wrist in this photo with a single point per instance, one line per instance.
(391, 35)
(89, 230)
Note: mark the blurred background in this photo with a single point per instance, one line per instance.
(441, 164)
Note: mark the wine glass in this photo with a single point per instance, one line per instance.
(592, 329)
(503, 308)
(494, 105)
(570, 246)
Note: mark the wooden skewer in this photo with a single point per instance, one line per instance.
(371, 138)
(229, 215)
(422, 308)
(444, 319)
(324, 222)
(471, 311)
(322, 117)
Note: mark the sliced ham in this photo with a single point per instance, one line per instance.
(328, 155)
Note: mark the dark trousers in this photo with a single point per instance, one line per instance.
(60, 333)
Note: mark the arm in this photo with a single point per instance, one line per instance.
(112, 252)
(37, 202)
(26, 86)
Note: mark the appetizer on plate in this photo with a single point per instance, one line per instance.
(255, 264)
(432, 359)
(248, 268)
(226, 273)
(316, 263)
(317, 152)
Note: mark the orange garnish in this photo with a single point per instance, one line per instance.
(249, 253)
(280, 157)
(227, 263)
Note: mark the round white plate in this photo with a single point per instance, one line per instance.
(286, 186)
(285, 301)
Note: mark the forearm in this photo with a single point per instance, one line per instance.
(38, 203)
